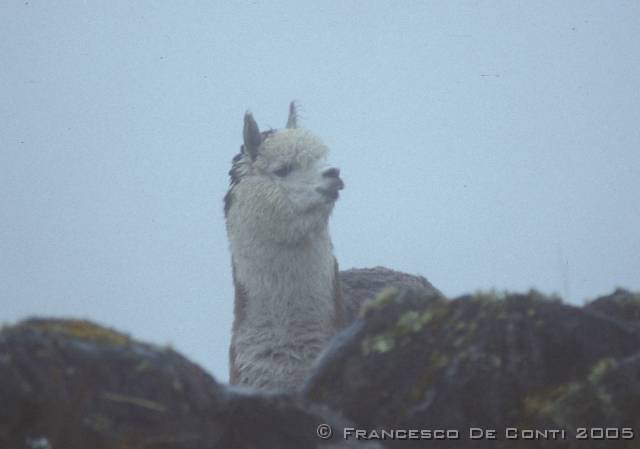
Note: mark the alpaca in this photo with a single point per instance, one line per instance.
(288, 302)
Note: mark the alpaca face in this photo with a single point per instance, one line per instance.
(281, 187)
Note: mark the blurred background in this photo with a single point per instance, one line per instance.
(483, 144)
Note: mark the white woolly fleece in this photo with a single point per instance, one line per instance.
(284, 268)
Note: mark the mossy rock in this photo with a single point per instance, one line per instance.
(360, 285)
(621, 305)
(70, 384)
(489, 360)
(75, 384)
(78, 330)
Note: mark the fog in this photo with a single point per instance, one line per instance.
(483, 145)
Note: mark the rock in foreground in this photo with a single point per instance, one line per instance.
(67, 384)
(418, 361)
(360, 285)
(411, 360)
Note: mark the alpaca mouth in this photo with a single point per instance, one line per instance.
(329, 194)
(332, 193)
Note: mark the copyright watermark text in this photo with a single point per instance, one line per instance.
(325, 432)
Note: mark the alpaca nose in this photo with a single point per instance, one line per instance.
(332, 173)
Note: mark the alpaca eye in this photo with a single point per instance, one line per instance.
(283, 171)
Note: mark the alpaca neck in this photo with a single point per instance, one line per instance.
(288, 298)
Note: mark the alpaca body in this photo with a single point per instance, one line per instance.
(287, 300)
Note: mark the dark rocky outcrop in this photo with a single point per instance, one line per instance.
(411, 360)
(363, 284)
(67, 384)
(414, 360)
(74, 384)
(621, 305)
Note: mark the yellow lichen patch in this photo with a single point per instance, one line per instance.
(410, 322)
(490, 296)
(566, 404)
(600, 369)
(413, 321)
(386, 296)
(378, 343)
(542, 403)
(536, 296)
(80, 329)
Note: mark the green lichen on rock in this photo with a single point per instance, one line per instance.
(600, 369)
(489, 296)
(378, 343)
(492, 360)
(574, 403)
(89, 390)
(413, 321)
(409, 323)
(386, 297)
(399, 333)
(78, 329)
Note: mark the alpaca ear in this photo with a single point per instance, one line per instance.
(251, 135)
(292, 121)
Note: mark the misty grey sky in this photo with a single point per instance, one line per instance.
(483, 144)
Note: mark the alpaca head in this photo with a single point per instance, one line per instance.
(281, 190)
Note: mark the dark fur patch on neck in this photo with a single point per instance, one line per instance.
(235, 174)
(234, 178)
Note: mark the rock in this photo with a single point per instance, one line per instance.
(362, 284)
(74, 384)
(412, 359)
(603, 406)
(419, 361)
(67, 384)
(621, 305)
